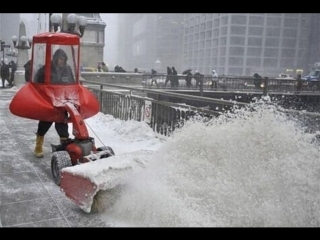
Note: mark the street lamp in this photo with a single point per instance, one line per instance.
(56, 21)
(24, 43)
(72, 20)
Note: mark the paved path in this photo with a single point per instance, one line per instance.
(28, 196)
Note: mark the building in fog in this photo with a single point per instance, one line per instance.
(231, 43)
(9, 26)
(92, 42)
(152, 41)
(313, 41)
(242, 44)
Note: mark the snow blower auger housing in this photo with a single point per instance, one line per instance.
(44, 98)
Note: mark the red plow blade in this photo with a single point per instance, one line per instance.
(81, 183)
(79, 189)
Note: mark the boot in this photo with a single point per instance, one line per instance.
(38, 152)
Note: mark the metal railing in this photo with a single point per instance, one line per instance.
(165, 111)
(129, 103)
(248, 84)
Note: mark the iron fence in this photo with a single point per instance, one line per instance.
(127, 103)
(166, 111)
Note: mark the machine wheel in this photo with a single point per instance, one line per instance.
(59, 160)
(106, 148)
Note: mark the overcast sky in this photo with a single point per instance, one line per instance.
(111, 32)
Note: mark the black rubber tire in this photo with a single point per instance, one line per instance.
(59, 160)
(106, 148)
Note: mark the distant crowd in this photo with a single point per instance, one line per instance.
(173, 79)
(7, 73)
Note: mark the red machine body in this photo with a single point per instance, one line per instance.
(47, 101)
(63, 102)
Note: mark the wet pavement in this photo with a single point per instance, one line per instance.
(28, 195)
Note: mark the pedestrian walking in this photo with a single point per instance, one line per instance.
(197, 77)
(4, 73)
(257, 80)
(214, 79)
(175, 80)
(188, 79)
(169, 76)
(154, 77)
(299, 83)
(12, 70)
(27, 71)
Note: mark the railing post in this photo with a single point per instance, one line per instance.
(100, 96)
(265, 89)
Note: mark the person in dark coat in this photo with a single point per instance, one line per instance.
(13, 67)
(27, 71)
(175, 81)
(197, 77)
(154, 77)
(4, 73)
(299, 83)
(61, 73)
(257, 80)
(121, 69)
(169, 76)
(188, 79)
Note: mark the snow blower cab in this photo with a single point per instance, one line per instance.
(54, 94)
(49, 90)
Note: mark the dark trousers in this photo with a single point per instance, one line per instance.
(11, 78)
(188, 83)
(61, 128)
(4, 78)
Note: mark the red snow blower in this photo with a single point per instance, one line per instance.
(63, 102)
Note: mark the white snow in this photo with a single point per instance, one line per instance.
(253, 169)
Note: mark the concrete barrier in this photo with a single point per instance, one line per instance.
(19, 79)
(114, 77)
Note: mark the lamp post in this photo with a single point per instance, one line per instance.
(69, 23)
(23, 44)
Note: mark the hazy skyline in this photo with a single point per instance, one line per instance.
(33, 26)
